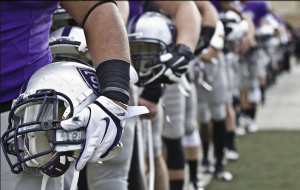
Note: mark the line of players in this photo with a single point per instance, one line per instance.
(239, 53)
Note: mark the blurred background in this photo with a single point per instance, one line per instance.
(290, 10)
(270, 158)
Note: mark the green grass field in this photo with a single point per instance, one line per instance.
(269, 160)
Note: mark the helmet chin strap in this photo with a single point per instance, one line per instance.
(73, 184)
(38, 143)
(44, 181)
(74, 180)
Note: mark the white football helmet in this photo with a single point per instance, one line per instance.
(151, 35)
(234, 27)
(62, 18)
(61, 14)
(264, 31)
(54, 92)
(229, 16)
(69, 41)
(69, 44)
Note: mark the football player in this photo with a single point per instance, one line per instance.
(24, 49)
(191, 140)
(186, 17)
(250, 85)
(245, 43)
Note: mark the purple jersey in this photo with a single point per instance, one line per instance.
(136, 8)
(217, 5)
(25, 27)
(256, 10)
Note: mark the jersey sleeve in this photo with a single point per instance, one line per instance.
(264, 9)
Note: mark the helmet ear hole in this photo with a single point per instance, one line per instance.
(40, 144)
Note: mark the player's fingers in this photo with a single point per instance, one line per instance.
(89, 148)
(80, 120)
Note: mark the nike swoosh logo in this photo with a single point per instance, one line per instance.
(107, 120)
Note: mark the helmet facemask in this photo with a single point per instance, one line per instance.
(151, 35)
(144, 51)
(31, 135)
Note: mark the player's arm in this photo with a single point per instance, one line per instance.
(104, 29)
(106, 38)
(251, 31)
(208, 12)
(187, 19)
(124, 10)
(210, 18)
(216, 44)
(248, 39)
(108, 45)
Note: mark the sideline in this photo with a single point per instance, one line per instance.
(282, 108)
(281, 111)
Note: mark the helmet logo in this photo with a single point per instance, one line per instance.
(91, 79)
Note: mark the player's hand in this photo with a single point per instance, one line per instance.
(104, 121)
(208, 54)
(246, 43)
(152, 107)
(176, 64)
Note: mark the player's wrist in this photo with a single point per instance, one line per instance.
(114, 79)
(185, 51)
(207, 33)
(105, 100)
(124, 106)
(152, 93)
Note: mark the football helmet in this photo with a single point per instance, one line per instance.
(69, 44)
(61, 13)
(263, 36)
(69, 41)
(151, 35)
(234, 27)
(264, 32)
(229, 16)
(62, 18)
(55, 92)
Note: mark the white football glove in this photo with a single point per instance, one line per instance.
(104, 121)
